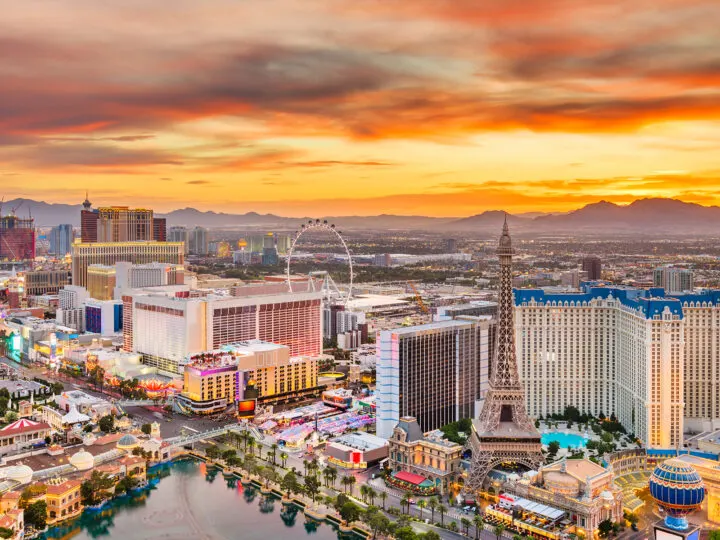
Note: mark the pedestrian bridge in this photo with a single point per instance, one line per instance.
(183, 440)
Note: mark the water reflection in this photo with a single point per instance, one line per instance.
(187, 503)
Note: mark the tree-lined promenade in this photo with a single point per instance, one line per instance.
(326, 491)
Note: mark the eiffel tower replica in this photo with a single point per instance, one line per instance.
(503, 433)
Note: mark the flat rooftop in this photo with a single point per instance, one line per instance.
(360, 441)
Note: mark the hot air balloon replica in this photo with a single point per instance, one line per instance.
(677, 489)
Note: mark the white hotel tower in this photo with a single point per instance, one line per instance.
(651, 359)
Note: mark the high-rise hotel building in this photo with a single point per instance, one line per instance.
(434, 372)
(167, 327)
(651, 359)
(109, 253)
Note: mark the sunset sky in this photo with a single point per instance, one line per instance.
(307, 107)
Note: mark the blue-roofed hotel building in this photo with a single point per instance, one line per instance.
(651, 358)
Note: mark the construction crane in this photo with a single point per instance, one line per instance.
(418, 298)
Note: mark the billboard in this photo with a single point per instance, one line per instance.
(246, 408)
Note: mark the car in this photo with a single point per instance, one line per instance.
(411, 501)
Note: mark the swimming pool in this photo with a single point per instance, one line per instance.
(566, 440)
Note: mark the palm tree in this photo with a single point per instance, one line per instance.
(442, 509)
(332, 474)
(422, 503)
(283, 458)
(479, 526)
(305, 466)
(371, 494)
(273, 449)
(499, 530)
(346, 482)
(405, 501)
(251, 445)
(363, 492)
(433, 504)
(465, 522)
(326, 475)
(383, 498)
(352, 483)
(245, 436)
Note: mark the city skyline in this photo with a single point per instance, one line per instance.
(432, 108)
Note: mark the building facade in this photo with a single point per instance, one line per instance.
(166, 328)
(428, 455)
(649, 358)
(432, 372)
(213, 380)
(39, 282)
(673, 280)
(141, 252)
(61, 239)
(582, 489)
(198, 241)
(17, 238)
(593, 266)
(123, 224)
(159, 229)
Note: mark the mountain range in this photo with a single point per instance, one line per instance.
(646, 216)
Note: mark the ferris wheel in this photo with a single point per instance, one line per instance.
(328, 286)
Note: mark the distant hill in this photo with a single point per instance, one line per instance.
(644, 216)
(490, 220)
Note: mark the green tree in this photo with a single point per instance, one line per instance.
(107, 423)
(36, 515)
(441, 508)
(383, 498)
(465, 522)
(379, 523)
(227, 454)
(350, 512)
(605, 528)
(213, 452)
(453, 526)
(312, 486)
(95, 489)
(283, 458)
(479, 526)
(146, 429)
(6, 533)
(553, 447)
(422, 504)
(405, 533)
(290, 483)
(433, 504)
(405, 502)
(714, 535)
(499, 530)
(430, 535)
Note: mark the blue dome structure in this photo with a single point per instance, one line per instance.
(678, 489)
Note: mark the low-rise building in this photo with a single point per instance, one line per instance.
(22, 434)
(84, 403)
(428, 455)
(583, 490)
(63, 499)
(356, 450)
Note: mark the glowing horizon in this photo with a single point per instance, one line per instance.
(411, 107)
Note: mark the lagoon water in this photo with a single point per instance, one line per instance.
(195, 502)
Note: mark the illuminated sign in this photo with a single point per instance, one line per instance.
(246, 408)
